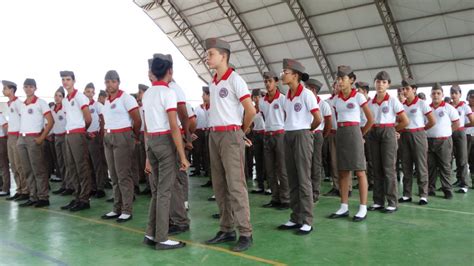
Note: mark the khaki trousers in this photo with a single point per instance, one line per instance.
(15, 164)
(77, 165)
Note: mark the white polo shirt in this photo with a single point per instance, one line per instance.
(325, 111)
(464, 111)
(299, 109)
(180, 96)
(190, 110)
(331, 102)
(258, 122)
(73, 105)
(273, 111)
(226, 96)
(416, 112)
(116, 111)
(386, 112)
(32, 116)
(142, 117)
(157, 101)
(14, 107)
(96, 110)
(3, 122)
(202, 116)
(363, 118)
(59, 117)
(348, 109)
(445, 115)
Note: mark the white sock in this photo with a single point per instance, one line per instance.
(305, 227)
(290, 223)
(405, 198)
(390, 208)
(170, 242)
(186, 205)
(111, 214)
(343, 209)
(150, 237)
(362, 211)
(424, 199)
(124, 216)
(464, 189)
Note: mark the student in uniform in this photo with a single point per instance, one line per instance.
(319, 134)
(59, 131)
(302, 117)
(78, 119)
(414, 144)
(349, 141)
(257, 141)
(272, 109)
(470, 136)
(122, 127)
(383, 138)
(14, 105)
(164, 144)
(33, 132)
(228, 94)
(102, 97)
(440, 143)
(4, 166)
(140, 147)
(332, 145)
(94, 139)
(201, 144)
(460, 139)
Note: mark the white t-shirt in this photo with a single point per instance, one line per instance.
(157, 101)
(201, 117)
(325, 111)
(416, 112)
(464, 111)
(258, 122)
(445, 115)
(3, 122)
(59, 117)
(348, 109)
(299, 109)
(386, 112)
(273, 111)
(331, 102)
(14, 107)
(116, 111)
(32, 116)
(73, 105)
(226, 96)
(96, 110)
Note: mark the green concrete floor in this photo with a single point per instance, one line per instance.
(441, 233)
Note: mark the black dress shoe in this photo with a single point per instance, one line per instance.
(177, 229)
(332, 192)
(7, 194)
(22, 197)
(432, 194)
(283, 206)
(160, 246)
(67, 192)
(387, 211)
(257, 191)
(267, 192)
(462, 190)
(59, 191)
(216, 216)
(422, 202)
(372, 208)
(222, 237)
(80, 206)
(402, 200)
(99, 194)
(148, 242)
(303, 232)
(110, 200)
(289, 227)
(42, 203)
(336, 216)
(121, 220)
(110, 217)
(136, 190)
(28, 203)
(358, 219)
(244, 243)
(195, 174)
(211, 198)
(271, 204)
(146, 191)
(208, 184)
(92, 193)
(14, 197)
(69, 206)
(448, 194)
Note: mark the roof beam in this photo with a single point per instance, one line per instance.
(394, 37)
(185, 30)
(312, 40)
(230, 12)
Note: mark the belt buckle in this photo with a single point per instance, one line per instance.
(23, 134)
(108, 131)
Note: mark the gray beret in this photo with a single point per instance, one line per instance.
(437, 86)
(293, 65)
(90, 85)
(408, 82)
(142, 87)
(205, 89)
(112, 75)
(66, 73)
(269, 75)
(102, 93)
(61, 90)
(29, 82)
(455, 88)
(255, 92)
(314, 82)
(343, 71)
(382, 75)
(361, 84)
(8, 83)
(216, 43)
(422, 96)
(166, 57)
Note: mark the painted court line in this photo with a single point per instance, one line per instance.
(31, 252)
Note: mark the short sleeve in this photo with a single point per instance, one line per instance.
(361, 100)
(190, 110)
(180, 96)
(3, 121)
(425, 108)
(99, 108)
(240, 87)
(325, 109)
(398, 107)
(170, 102)
(130, 102)
(453, 113)
(311, 102)
(44, 107)
(467, 109)
(82, 100)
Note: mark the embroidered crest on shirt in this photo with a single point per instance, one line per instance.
(92, 110)
(11, 110)
(413, 111)
(441, 114)
(112, 106)
(72, 103)
(60, 117)
(385, 109)
(276, 106)
(298, 107)
(30, 111)
(350, 106)
(223, 93)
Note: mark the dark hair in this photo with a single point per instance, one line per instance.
(365, 88)
(352, 76)
(301, 76)
(224, 51)
(159, 67)
(73, 77)
(469, 94)
(62, 93)
(11, 87)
